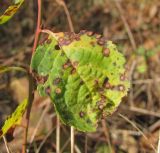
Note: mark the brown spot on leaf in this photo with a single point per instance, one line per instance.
(121, 87)
(98, 36)
(73, 71)
(56, 81)
(96, 82)
(11, 11)
(48, 41)
(77, 37)
(100, 90)
(41, 79)
(106, 80)
(9, 135)
(103, 98)
(100, 104)
(100, 107)
(93, 43)
(106, 52)
(48, 90)
(106, 83)
(75, 63)
(110, 104)
(101, 41)
(89, 33)
(87, 96)
(81, 82)
(122, 77)
(81, 114)
(57, 47)
(64, 42)
(58, 90)
(67, 64)
(22, 111)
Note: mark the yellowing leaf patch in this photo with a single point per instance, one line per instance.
(10, 11)
(14, 119)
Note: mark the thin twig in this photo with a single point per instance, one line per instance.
(86, 142)
(4, 69)
(31, 80)
(65, 145)
(77, 149)
(39, 123)
(154, 126)
(72, 139)
(6, 145)
(58, 136)
(44, 140)
(38, 29)
(106, 133)
(131, 87)
(146, 81)
(144, 111)
(62, 3)
(129, 132)
(130, 35)
(30, 101)
(134, 125)
(158, 149)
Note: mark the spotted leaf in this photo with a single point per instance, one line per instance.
(10, 11)
(83, 74)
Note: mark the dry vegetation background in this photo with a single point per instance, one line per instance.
(134, 25)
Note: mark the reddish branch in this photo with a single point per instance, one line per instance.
(31, 79)
(38, 29)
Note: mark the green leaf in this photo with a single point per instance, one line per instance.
(14, 119)
(10, 11)
(83, 74)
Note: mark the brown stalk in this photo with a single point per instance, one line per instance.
(31, 79)
(70, 23)
(30, 101)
